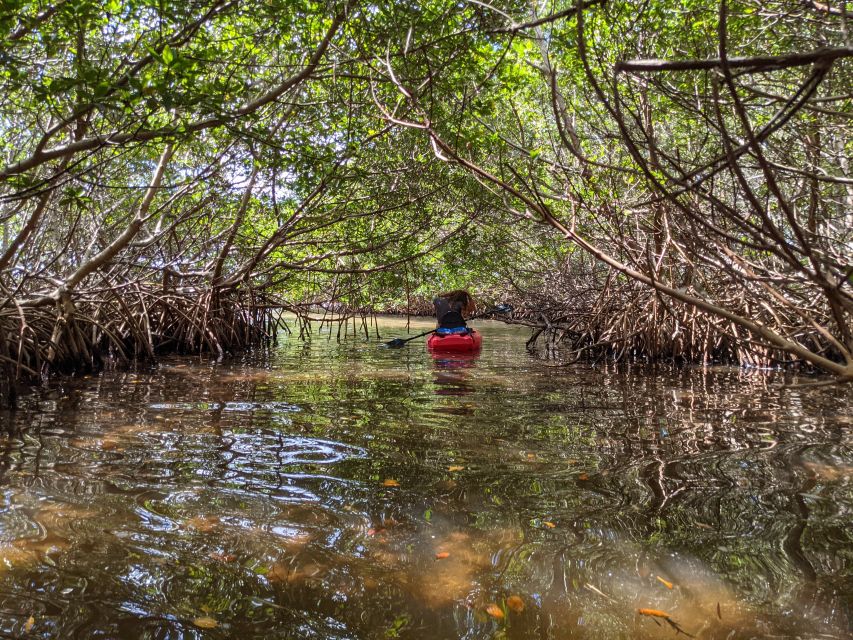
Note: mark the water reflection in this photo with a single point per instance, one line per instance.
(340, 491)
(452, 372)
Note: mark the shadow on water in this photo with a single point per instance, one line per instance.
(344, 491)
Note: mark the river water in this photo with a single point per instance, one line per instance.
(326, 490)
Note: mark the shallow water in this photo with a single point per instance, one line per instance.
(325, 490)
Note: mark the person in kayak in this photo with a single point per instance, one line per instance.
(451, 309)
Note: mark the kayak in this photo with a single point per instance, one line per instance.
(455, 342)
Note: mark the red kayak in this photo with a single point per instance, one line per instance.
(455, 342)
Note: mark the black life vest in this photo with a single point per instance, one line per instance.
(449, 315)
(451, 320)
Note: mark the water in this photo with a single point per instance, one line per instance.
(346, 491)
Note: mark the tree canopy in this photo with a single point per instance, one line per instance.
(662, 180)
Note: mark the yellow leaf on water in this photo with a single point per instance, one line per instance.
(28, 625)
(550, 525)
(390, 482)
(206, 622)
(455, 467)
(495, 611)
(665, 583)
(515, 603)
(441, 555)
(654, 613)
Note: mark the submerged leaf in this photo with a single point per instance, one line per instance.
(204, 524)
(390, 482)
(108, 444)
(495, 611)
(597, 591)
(656, 613)
(28, 625)
(665, 583)
(515, 603)
(206, 622)
(455, 467)
(441, 555)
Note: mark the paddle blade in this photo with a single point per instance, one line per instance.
(396, 343)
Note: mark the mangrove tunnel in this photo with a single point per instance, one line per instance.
(229, 411)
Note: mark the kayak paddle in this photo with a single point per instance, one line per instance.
(500, 309)
(396, 343)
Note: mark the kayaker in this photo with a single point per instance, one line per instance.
(451, 309)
